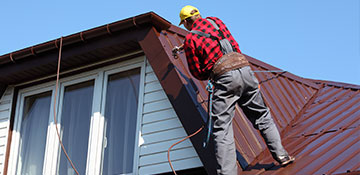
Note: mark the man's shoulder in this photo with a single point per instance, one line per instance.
(188, 39)
(213, 18)
(217, 21)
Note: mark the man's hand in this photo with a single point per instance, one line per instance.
(176, 50)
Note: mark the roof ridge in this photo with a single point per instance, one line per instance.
(285, 73)
(335, 83)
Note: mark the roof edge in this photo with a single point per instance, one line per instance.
(336, 84)
(138, 21)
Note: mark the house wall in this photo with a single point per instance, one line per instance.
(5, 110)
(160, 128)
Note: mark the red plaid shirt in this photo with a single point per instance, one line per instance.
(202, 52)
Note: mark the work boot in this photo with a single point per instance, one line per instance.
(285, 160)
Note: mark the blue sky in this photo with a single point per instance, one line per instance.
(318, 39)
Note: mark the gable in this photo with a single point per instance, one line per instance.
(160, 129)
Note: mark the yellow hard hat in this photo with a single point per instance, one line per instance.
(186, 13)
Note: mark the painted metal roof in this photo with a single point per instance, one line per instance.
(324, 136)
(318, 120)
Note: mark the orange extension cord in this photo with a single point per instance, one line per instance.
(168, 153)
(57, 130)
(55, 120)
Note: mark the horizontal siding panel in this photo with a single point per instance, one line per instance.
(163, 146)
(161, 126)
(153, 86)
(8, 90)
(162, 157)
(3, 140)
(3, 135)
(2, 155)
(157, 106)
(8, 94)
(4, 114)
(165, 167)
(6, 98)
(164, 136)
(5, 106)
(2, 148)
(150, 77)
(4, 119)
(154, 96)
(148, 68)
(159, 115)
(3, 125)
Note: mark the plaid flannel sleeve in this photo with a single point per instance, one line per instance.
(193, 60)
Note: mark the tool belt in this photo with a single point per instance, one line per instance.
(228, 62)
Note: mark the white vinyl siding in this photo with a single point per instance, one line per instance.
(5, 110)
(160, 128)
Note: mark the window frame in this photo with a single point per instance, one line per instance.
(62, 85)
(15, 144)
(108, 73)
(97, 120)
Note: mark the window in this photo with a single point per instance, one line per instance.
(75, 125)
(97, 116)
(120, 115)
(35, 118)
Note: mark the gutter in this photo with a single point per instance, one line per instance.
(147, 19)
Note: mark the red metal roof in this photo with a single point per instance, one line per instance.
(318, 120)
(324, 136)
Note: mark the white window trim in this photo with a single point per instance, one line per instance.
(111, 71)
(96, 134)
(139, 117)
(63, 84)
(15, 146)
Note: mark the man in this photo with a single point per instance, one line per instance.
(212, 53)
